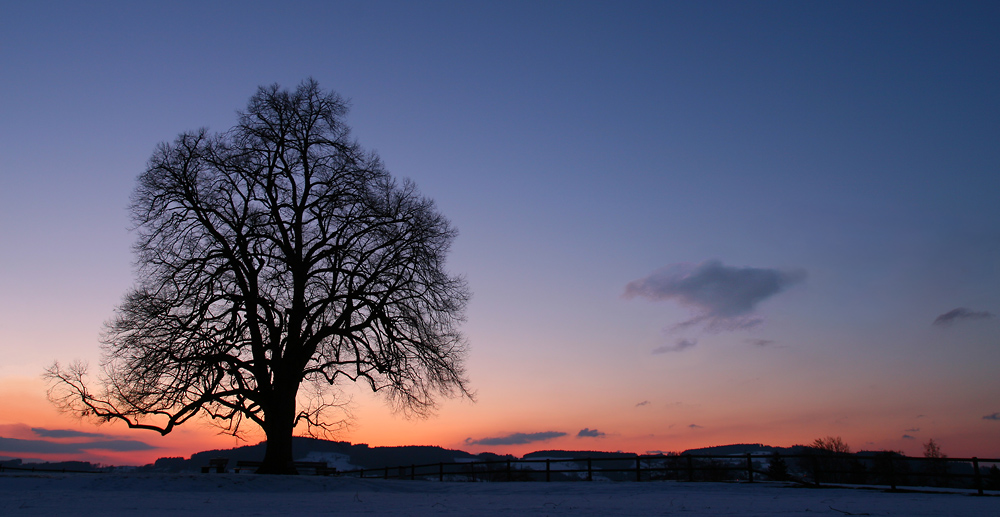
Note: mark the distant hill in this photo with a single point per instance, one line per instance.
(66, 466)
(577, 454)
(347, 456)
(738, 448)
(343, 455)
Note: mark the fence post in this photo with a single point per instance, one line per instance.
(413, 472)
(690, 462)
(548, 471)
(815, 466)
(979, 475)
(638, 469)
(590, 470)
(509, 478)
(749, 468)
(386, 473)
(441, 471)
(892, 472)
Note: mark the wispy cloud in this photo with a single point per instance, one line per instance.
(723, 297)
(681, 344)
(589, 433)
(955, 315)
(696, 426)
(913, 430)
(994, 416)
(516, 438)
(908, 437)
(17, 445)
(643, 403)
(66, 433)
(760, 342)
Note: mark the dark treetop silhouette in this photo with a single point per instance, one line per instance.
(276, 255)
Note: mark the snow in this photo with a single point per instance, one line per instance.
(154, 495)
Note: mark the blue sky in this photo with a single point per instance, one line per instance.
(579, 148)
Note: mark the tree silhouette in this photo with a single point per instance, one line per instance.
(933, 451)
(830, 457)
(276, 255)
(777, 468)
(937, 465)
(834, 444)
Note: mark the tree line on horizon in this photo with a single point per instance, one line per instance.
(830, 455)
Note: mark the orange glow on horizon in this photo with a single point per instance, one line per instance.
(459, 424)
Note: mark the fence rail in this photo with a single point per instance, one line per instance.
(816, 469)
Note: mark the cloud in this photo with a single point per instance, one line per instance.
(994, 416)
(589, 433)
(914, 430)
(682, 344)
(516, 438)
(118, 445)
(760, 342)
(65, 433)
(696, 426)
(46, 447)
(908, 437)
(955, 315)
(643, 403)
(723, 297)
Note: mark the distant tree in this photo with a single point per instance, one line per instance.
(274, 256)
(777, 469)
(933, 450)
(890, 468)
(830, 460)
(993, 478)
(831, 444)
(937, 465)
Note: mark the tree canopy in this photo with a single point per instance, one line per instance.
(271, 256)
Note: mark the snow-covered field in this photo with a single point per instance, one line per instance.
(152, 495)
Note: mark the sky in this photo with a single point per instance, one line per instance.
(684, 224)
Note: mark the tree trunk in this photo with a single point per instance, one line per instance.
(278, 425)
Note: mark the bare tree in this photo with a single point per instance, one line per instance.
(834, 444)
(275, 255)
(937, 463)
(933, 451)
(833, 461)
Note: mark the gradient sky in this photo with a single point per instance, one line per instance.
(684, 223)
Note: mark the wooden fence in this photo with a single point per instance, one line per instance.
(880, 469)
